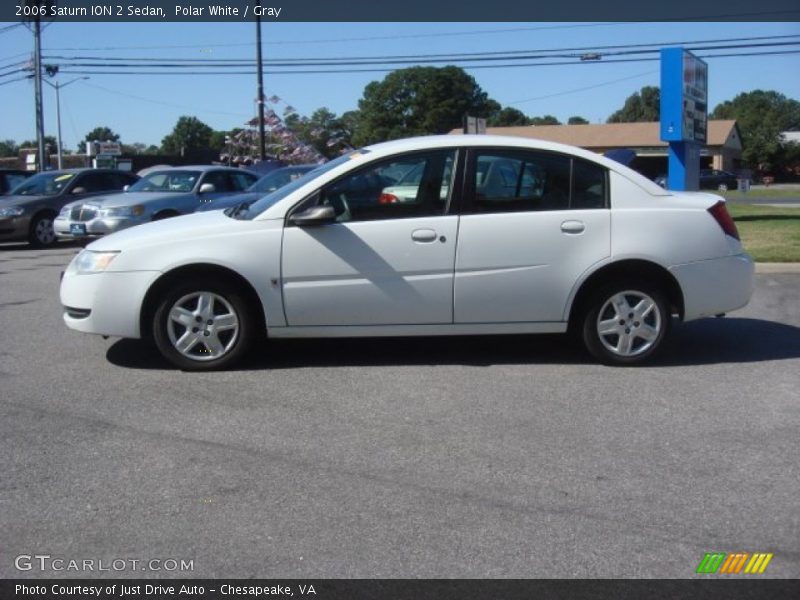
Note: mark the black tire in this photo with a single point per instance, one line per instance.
(41, 233)
(203, 339)
(640, 336)
(722, 187)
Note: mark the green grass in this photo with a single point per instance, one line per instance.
(769, 234)
(761, 192)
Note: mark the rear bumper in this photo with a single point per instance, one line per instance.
(715, 286)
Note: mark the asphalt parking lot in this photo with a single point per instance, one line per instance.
(448, 458)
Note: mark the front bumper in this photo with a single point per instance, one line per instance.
(715, 286)
(14, 228)
(95, 228)
(107, 303)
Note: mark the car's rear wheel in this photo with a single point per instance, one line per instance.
(626, 323)
(41, 232)
(203, 326)
(722, 187)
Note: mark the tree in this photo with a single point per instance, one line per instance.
(189, 135)
(99, 134)
(577, 121)
(324, 131)
(49, 140)
(762, 116)
(644, 105)
(419, 101)
(508, 117)
(545, 120)
(8, 148)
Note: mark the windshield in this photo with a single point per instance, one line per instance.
(265, 202)
(44, 184)
(167, 181)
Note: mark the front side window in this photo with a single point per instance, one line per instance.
(408, 186)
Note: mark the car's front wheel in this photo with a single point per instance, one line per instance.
(41, 233)
(722, 187)
(625, 324)
(203, 326)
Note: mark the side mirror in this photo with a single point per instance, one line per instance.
(207, 188)
(316, 215)
(79, 190)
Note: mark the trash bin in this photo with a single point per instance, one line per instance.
(743, 184)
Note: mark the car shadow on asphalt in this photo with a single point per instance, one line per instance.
(704, 342)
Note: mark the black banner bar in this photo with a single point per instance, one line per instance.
(733, 588)
(405, 11)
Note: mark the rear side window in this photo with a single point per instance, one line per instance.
(527, 181)
(588, 185)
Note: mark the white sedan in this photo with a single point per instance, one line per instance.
(500, 236)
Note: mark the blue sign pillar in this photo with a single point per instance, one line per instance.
(684, 97)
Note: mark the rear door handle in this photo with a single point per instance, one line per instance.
(573, 226)
(425, 236)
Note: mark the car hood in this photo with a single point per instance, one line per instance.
(16, 200)
(167, 231)
(131, 198)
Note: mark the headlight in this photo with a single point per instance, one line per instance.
(124, 211)
(11, 211)
(89, 261)
(65, 211)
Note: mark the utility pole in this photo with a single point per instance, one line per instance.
(261, 135)
(37, 77)
(57, 86)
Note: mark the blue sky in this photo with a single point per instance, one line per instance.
(144, 108)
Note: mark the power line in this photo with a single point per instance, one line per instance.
(343, 40)
(583, 89)
(13, 80)
(387, 70)
(386, 59)
(161, 102)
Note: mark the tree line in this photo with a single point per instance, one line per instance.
(434, 100)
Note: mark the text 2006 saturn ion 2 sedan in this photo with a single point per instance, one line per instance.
(502, 236)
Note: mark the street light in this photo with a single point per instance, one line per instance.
(57, 86)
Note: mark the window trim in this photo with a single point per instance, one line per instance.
(470, 176)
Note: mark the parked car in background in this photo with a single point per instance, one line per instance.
(713, 179)
(158, 195)
(710, 179)
(11, 178)
(266, 185)
(563, 240)
(28, 213)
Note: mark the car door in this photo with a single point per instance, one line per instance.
(532, 223)
(384, 261)
(223, 183)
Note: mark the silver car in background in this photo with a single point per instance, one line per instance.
(159, 195)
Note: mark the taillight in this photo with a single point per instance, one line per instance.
(721, 216)
(387, 199)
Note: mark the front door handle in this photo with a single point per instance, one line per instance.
(573, 226)
(425, 236)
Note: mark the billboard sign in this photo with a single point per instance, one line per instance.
(684, 97)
